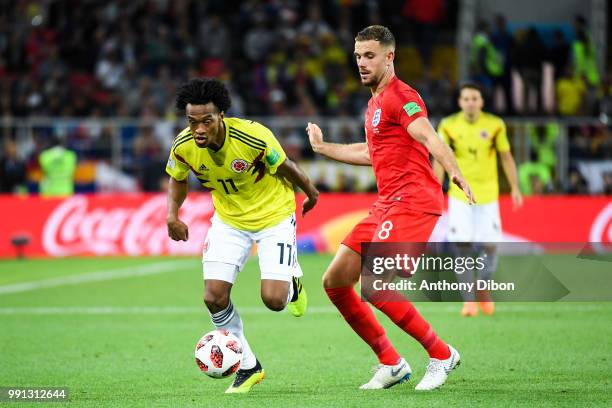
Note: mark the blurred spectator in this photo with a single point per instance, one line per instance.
(321, 184)
(543, 141)
(58, 165)
(585, 62)
(576, 183)
(605, 106)
(12, 169)
(570, 91)
(215, 38)
(314, 26)
(503, 41)
(258, 39)
(110, 69)
(607, 181)
(103, 145)
(534, 178)
(424, 16)
(529, 55)
(559, 54)
(486, 63)
(146, 158)
(292, 143)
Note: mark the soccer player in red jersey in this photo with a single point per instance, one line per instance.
(399, 138)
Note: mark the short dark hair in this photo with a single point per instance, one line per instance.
(377, 33)
(470, 85)
(200, 91)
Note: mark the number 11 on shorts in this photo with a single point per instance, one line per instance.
(385, 230)
(289, 256)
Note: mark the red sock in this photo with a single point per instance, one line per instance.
(361, 319)
(403, 313)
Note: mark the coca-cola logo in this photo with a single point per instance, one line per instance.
(88, 225)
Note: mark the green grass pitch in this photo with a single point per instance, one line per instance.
(121, 332)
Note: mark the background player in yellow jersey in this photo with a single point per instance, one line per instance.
(251, 180)
(476, 137)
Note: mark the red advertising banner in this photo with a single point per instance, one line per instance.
(134, 224)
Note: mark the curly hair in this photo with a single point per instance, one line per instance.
(200, 91)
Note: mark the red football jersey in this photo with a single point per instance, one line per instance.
(401, 164)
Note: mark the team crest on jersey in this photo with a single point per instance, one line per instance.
(376, 118)
(239, 165)
(484, 134)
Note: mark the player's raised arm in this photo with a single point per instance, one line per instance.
(354, 153)
(296, 176)
(422, 131)
(177, 192)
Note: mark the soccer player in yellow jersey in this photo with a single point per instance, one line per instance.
(476, 137)
(251, 180)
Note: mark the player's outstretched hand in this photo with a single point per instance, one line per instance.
(315, 135)
(177, 230)
(463, 185)
(308, 204)
(517, 199)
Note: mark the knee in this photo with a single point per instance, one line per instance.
(215, 301)
(327, 280)
(333, 279)
(274, 302)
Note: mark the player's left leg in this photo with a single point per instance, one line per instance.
(488, 232)
(403, 225)
(225, 252)
(461, 225)
(220, 278)
(281, 275)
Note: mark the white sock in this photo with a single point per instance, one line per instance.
(230, 320)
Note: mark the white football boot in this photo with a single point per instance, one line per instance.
(438, 370)
(388, 375)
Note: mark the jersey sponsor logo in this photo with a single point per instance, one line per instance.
(484, 134)
(203, 168)
(412, 108)
(171, 163)
(273, 157)
(239, 165)
(376, 118)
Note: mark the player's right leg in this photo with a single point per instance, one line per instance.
(225, 316)
(225, 252)
(461, 232)
(339, 281)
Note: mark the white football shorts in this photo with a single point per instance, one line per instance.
(473, 223)
(276, 249)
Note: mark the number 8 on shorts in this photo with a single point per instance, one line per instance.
(385, 230)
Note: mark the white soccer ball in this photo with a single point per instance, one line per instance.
(218, 353)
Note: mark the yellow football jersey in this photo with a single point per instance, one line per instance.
(246, 191)
(476, 145)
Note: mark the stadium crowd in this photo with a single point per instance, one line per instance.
(121, 58)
